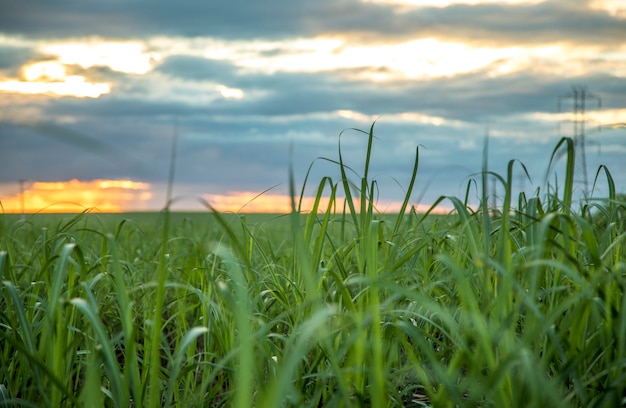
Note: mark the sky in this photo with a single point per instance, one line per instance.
(96, 96)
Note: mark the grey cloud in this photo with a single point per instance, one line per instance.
(137, 18)
(549, 21)
(12, 59)
(474, 98)
(32, 155)
(197, 68)
(67, 18)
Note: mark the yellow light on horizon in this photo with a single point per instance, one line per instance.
(127, 195)
(77, 195)
(246, 201)
(254, 202)
(123, 184)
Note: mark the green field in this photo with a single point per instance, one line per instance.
(516, 306)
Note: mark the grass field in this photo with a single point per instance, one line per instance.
(517, 306)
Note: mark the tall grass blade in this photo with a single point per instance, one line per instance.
(119, 393)
(132, 379)
(188, 340)
(407, 196)
(237, 297)
(347, 189)
(568, 189)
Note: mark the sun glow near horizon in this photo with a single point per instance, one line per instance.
(114, 196)
(77, 195)
(254, 202)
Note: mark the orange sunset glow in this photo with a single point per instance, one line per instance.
(251, 202)
(76, 195)
(112, 196)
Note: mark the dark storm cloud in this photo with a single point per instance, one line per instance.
(550, 21)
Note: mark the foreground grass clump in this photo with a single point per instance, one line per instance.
(517, 306)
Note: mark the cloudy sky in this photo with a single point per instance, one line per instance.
(92, 93)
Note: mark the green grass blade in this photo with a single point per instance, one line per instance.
(569, 170)
(132, 379)
(407, 196)
(188, 340)
(119, 393)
